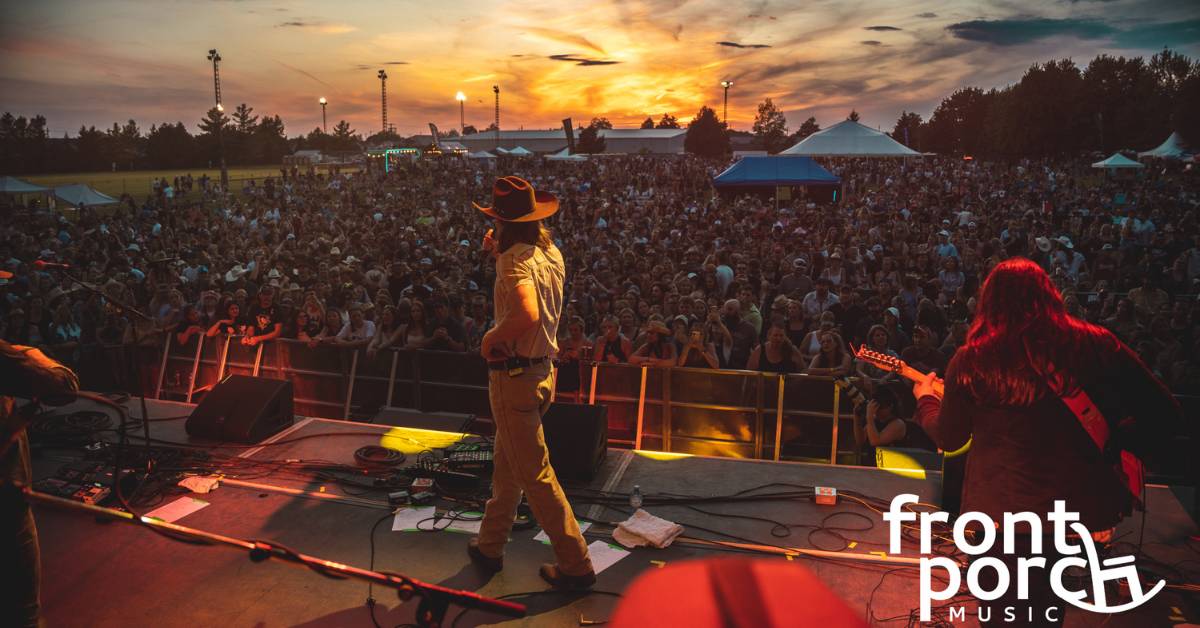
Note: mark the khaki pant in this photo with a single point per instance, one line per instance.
(522, 465)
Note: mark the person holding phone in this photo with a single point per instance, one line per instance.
(698, 352)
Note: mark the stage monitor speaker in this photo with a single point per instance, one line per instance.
(577, 437)
(243, 409)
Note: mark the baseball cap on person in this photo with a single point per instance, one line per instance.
(893, 311)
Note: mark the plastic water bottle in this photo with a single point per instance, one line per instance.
(635, 498)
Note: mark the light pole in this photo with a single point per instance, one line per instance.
(496, 89)
(324, 128)
(462, 112)
(725, 115)
(216, 60)
(383, 97)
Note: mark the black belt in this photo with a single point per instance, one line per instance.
(514, 363)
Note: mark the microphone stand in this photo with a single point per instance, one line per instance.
(136, 367)
(434, 599)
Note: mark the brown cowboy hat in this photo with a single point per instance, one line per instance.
(515, 200)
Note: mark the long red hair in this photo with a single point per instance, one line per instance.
(1022, 344)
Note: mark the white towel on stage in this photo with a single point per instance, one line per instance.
(644, 528)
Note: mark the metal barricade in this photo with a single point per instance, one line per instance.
(177, 369)
(733, 413)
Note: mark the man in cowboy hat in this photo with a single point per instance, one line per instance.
(519, 348)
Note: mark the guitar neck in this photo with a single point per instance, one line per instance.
(914, 375)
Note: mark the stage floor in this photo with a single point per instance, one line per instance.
(110, 574)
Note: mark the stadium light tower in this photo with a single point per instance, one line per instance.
(725, 115)
(324, 128)
(496, 90)
(462, 112)
(383, 97)
(216, 60)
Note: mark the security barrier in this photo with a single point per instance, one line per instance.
(743, 414)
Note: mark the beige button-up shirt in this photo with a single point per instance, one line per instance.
(545, 271)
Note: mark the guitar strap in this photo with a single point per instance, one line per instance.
(1096, 426)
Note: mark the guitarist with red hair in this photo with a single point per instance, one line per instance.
(1053, 406)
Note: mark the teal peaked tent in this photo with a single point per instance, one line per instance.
(13, 185)
(79, 194)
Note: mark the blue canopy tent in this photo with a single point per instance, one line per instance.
(13, 185)
(777, 176)
(77, 194)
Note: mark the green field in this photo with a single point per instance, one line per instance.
(138, 182)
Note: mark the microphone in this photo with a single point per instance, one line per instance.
(43, 264)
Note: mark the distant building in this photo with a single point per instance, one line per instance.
(304, 158)
(620, 141)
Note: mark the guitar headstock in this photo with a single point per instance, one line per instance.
(881, 360)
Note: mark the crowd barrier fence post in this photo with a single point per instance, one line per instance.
(195, 366)
(779, 416)
(392, 377)
(666, 408)
(162, 368)
(350, 384)
(760, 380)
(837, 398)
(223, 360)
(592, 390)
(637, 439)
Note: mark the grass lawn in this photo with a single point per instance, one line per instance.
(137, 182)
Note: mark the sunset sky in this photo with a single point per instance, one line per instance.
(99, 61)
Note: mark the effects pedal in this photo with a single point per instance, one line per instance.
(475, 459)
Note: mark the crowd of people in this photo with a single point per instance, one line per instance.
(662, 270)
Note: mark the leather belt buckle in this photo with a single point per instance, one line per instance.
(514, 367)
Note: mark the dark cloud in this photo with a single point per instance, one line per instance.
(375, 66)
(1163, 34)
(882, 28)
(294, 23)
(1024, 30)
(565, 37)
(580, 60)
(871, 42)
(734, 44)
(927, 14)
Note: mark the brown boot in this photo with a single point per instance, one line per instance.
(559, 580)
(483, 561)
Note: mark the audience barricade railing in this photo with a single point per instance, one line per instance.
(178, 367)
(744, 414)
(734, 413)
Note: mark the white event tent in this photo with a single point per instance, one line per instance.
(1171, 148)
(850, 139)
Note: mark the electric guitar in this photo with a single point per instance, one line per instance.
(895, 365)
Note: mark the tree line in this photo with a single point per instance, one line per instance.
(246, 138)
(1056, 108)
